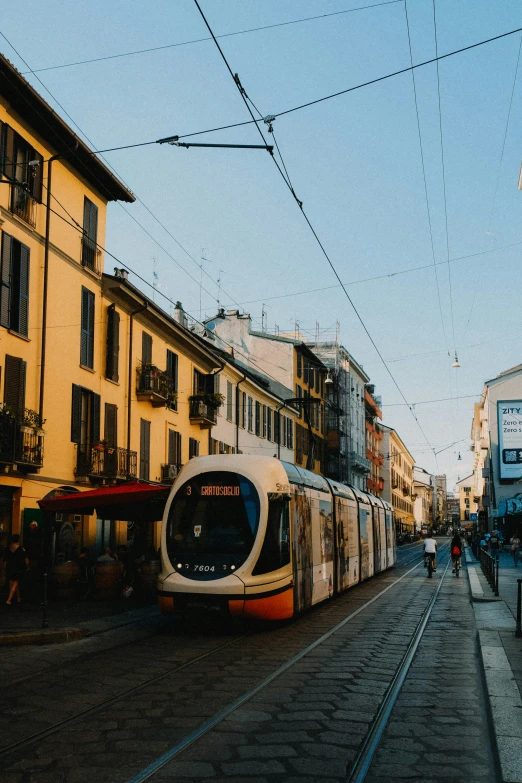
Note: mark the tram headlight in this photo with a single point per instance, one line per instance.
(179, 565)
(232, 568)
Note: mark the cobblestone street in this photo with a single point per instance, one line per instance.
(110, 713)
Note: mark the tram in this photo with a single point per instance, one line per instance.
(260, 538)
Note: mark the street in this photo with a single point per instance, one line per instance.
(108, 714)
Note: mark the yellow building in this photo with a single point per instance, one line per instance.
(397, 474)
(309, 379)
(468, 502)
(98, 383)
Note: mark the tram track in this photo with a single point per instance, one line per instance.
(191, 738)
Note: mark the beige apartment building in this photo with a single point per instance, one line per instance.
(397, 474)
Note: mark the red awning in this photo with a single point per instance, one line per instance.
(132, 500)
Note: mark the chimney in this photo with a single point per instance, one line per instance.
(179, 315)
(122, 274)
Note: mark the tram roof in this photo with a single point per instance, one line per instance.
(305, 477)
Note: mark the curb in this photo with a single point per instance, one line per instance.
(41, 637)
(505, 705)
(87, 628)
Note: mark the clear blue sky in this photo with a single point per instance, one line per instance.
(354, 161)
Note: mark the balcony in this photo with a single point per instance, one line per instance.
(106, 462)
(202, 412)
(21, 439)
(155, 386)
(360, 464)
(23, 205)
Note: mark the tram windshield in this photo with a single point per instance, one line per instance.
(212, 523)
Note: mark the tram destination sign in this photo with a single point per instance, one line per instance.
(509, 415)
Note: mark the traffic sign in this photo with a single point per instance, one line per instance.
(473, 517)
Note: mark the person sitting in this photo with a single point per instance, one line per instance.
(107, 556)
(430, 549)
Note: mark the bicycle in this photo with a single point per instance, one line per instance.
(428, 563)
(457, 566)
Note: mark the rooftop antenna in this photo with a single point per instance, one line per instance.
(316, 333)
(203, 250)
(276, 329)
(263, 317)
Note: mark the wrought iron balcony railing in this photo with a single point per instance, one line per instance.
(91, 256)
(104, 461)
(21, 438)
(202, 413)
(154, 385)
(23, 205)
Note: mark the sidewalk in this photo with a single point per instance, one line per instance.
(68, 620)
(501, 654)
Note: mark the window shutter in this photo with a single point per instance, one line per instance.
(9, 152)
(90, 219)
(144, 449)
(146, 348)
(172, 368)
(23, 325)
(14, 387)
(76, 413)
(87, 329)
(37, 176)
(5, 279)
(111, 425)
(269, 423)
(217, 379)
(113, 344)
(229, 401)
(174, 454)
(95, 417)
(258, 418)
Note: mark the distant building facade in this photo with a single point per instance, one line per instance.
(397, 476)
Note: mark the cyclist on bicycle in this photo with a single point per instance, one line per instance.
(456, 550)
(430, 549)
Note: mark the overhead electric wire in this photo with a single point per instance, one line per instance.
(208, 38)
(300, 204)
(427, 402)
(421, 149)
(310, 103)
(444, 178)
(493, 203)
(137, 197)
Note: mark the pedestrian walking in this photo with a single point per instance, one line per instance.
(515, 549)
(16, 565)
(494, 544)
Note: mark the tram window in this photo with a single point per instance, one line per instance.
(275, 552)
(213, 513)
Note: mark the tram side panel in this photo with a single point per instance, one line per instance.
(322, 549)
(390, 537)
(302, 548)
(348, 542)
(366, 539)
(381, 559)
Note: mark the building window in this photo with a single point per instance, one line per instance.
(85, 421)
(290, 433)
(144, 449)
(265, 423)
(243, 409)
(14, 384)
(172, 372)
(284, 430)
(15, 156)
(269, 423)
(229, 401)
(258, 418)
(87, 329)
(111, 425)
(113, 344)
(14, 285)
(299, 366)
(250, 414)
(90, 235)
(146, 348)
(174, 448)
(193, 448)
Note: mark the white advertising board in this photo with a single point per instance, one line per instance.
(509, 414)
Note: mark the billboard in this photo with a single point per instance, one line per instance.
(509, 416)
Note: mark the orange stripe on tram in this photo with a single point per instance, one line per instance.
(273, 607)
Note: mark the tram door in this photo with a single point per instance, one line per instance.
(390, 531)
(301, 517)
(377, 543)
(348, 542)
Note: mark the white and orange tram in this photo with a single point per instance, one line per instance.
(261, 538)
